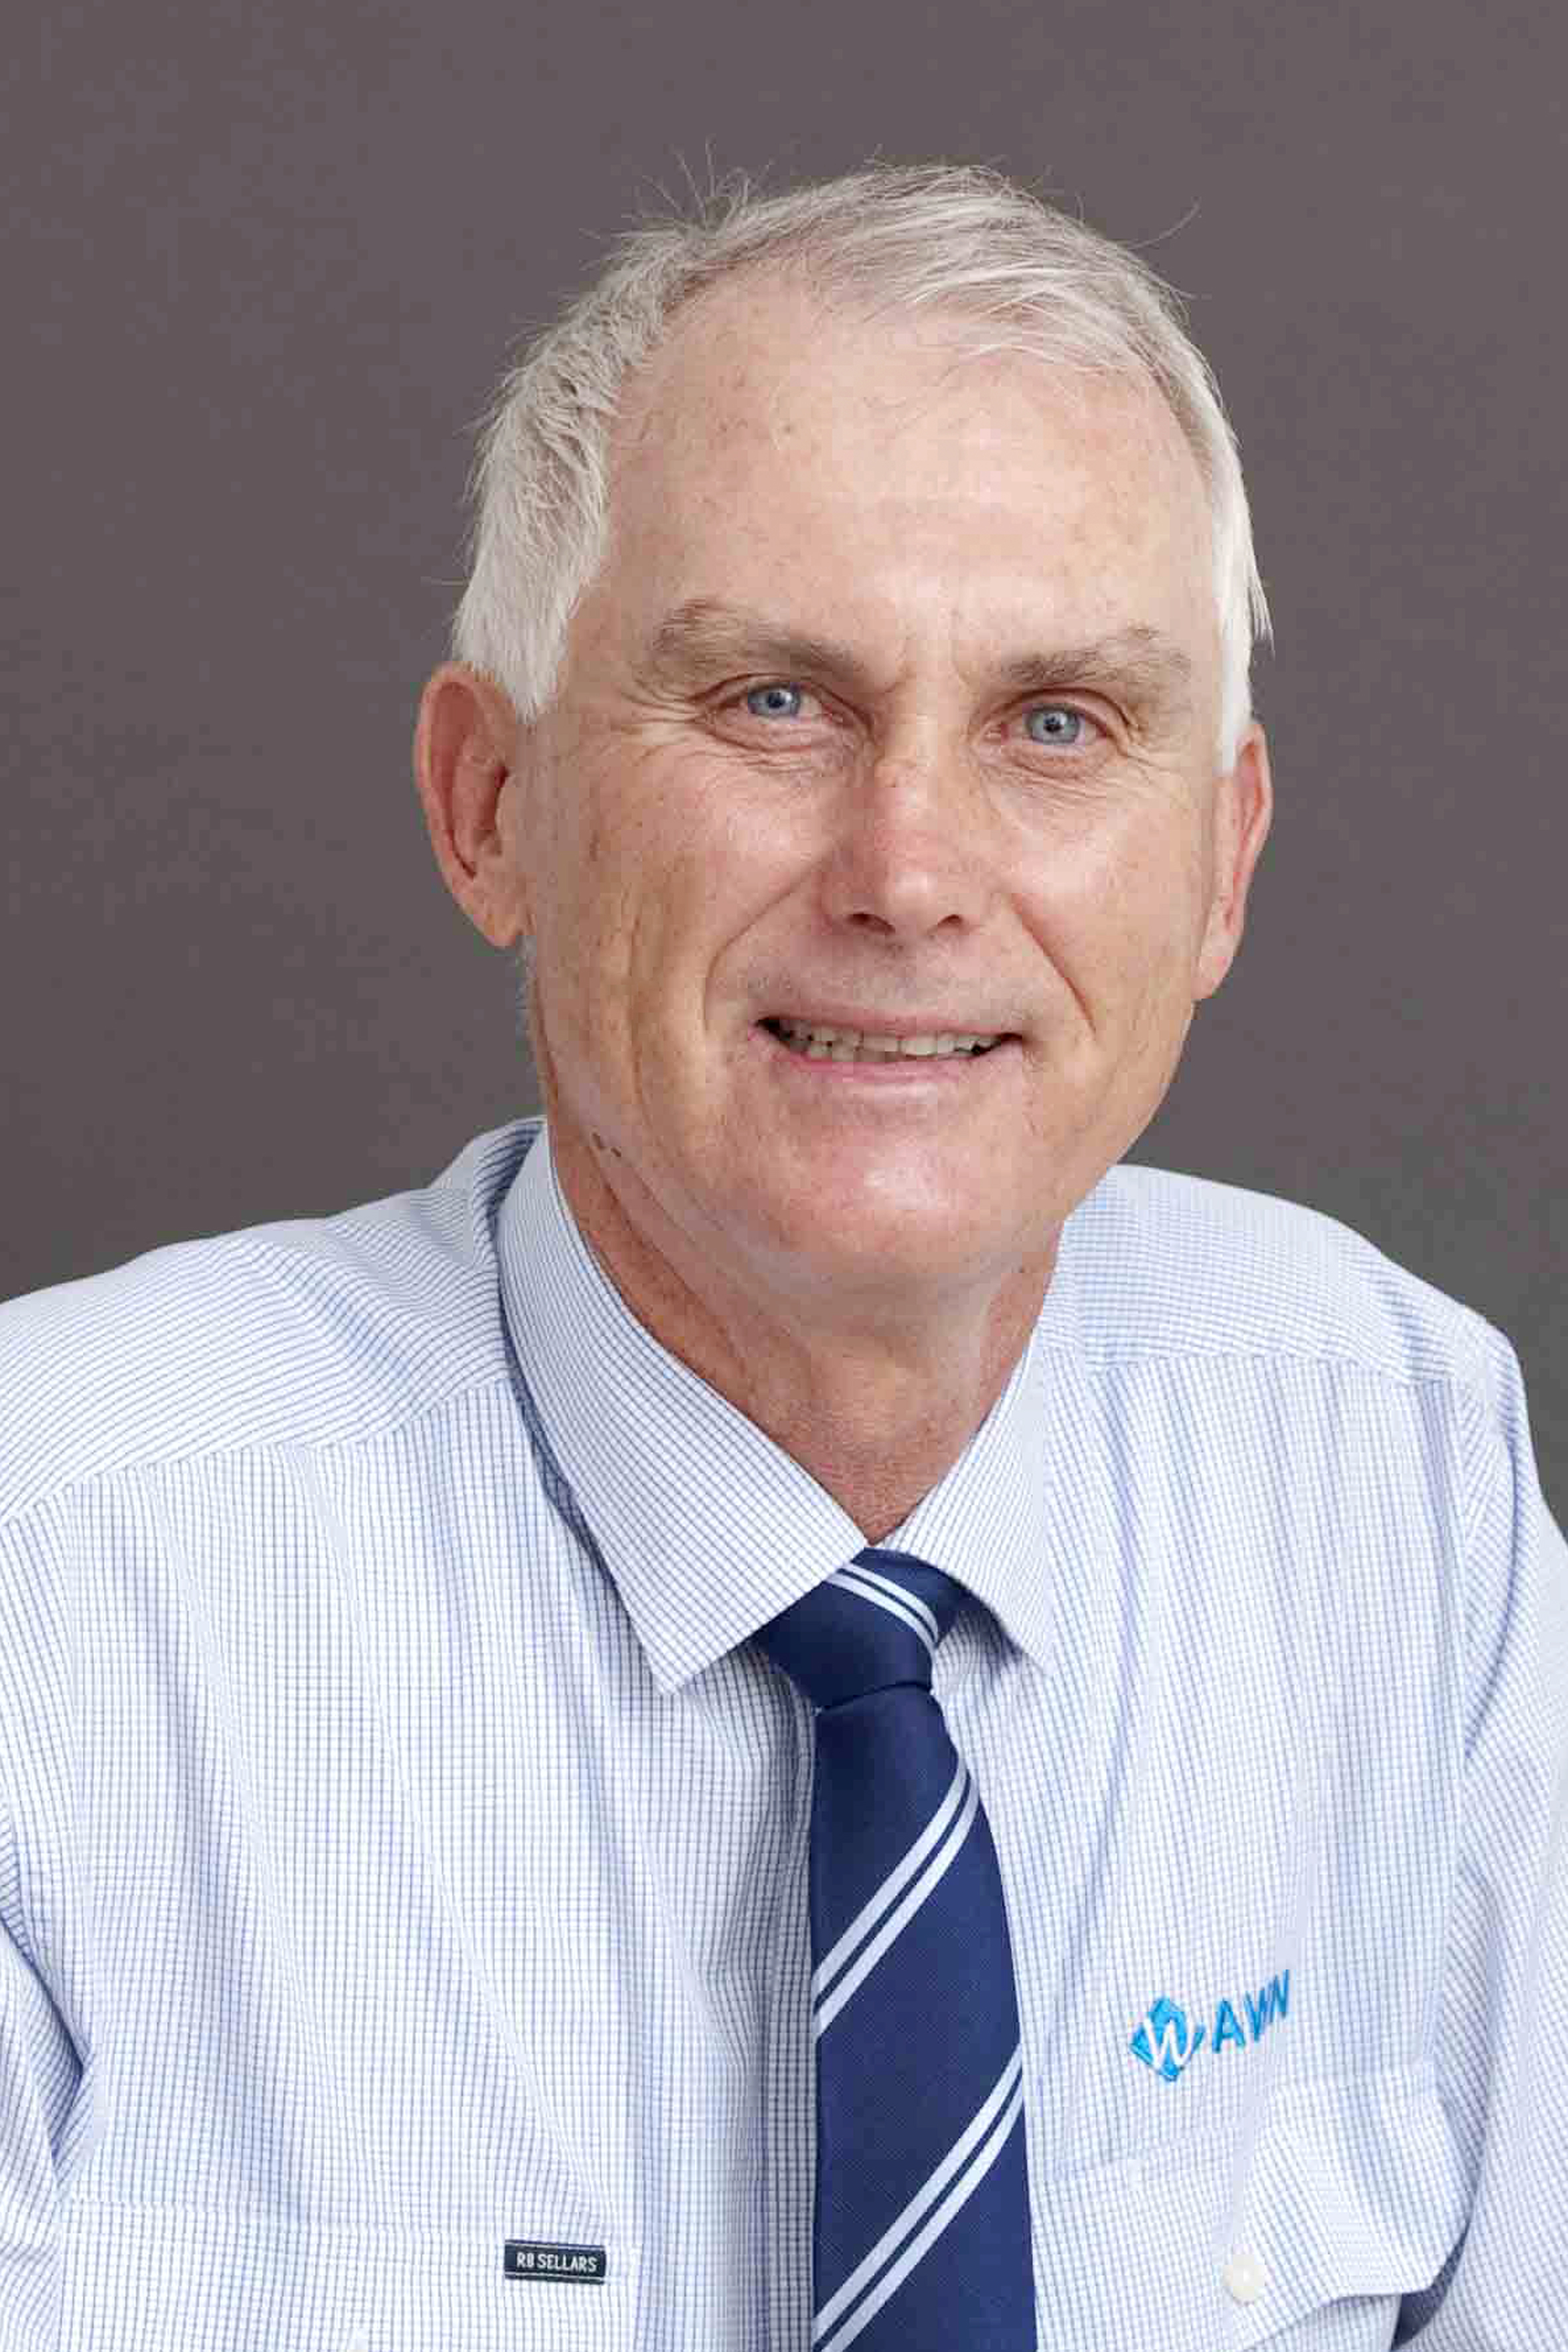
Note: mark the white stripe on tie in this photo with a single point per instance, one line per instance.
(976, 2152)
(866, 1917)
(868, 1585)
(936, 1869)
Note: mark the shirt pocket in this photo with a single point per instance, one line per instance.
(1353, 2193)
(234, 2281)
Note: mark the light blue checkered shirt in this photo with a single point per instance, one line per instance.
(402, 1845)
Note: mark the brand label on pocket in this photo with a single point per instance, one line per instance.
(530, 2258)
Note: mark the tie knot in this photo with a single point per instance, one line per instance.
(877, 1622)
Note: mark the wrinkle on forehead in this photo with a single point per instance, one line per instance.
(763, 365)
(733, 376)
(753, 341)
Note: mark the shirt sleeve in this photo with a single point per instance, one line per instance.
(1504, 2287)
(42, 2113)
(38, 2075)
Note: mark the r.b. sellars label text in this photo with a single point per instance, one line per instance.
(529, 2258)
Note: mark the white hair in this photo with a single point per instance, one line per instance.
(958, 238)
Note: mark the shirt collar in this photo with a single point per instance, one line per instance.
(707, 1526)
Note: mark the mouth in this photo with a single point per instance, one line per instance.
(823, 1042)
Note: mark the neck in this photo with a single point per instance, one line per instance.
(876, 1411)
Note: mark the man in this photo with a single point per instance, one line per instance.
(792, 1709)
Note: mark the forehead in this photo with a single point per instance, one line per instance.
(773, 437)
(762, 359)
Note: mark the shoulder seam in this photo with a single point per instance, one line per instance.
(145, 1464)
(1322, 1359)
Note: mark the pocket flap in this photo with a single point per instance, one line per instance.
(1353, 2188)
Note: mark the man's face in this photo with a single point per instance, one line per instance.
(950, 811)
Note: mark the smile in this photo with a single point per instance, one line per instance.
(916, 1066)
(818, 1043)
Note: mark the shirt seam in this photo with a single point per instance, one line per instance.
(151, 1465)
(1456, 1383)
(18, 1924)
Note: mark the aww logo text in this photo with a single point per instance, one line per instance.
(1167, 2044)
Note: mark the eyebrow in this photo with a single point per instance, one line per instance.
(1147, 669)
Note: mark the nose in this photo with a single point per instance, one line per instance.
(911, 847)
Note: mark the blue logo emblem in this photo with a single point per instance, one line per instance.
(1167, 2046)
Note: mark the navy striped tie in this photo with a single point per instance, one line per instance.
(921, 2235)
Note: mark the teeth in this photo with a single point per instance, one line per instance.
(823, 1044)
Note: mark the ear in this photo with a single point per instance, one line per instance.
(1244, 810)
(467, 743)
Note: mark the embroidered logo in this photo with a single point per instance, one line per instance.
(1168, 2047)
(528, 2258)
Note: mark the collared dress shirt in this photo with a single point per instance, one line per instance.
(404, 1932)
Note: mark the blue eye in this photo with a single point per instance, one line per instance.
(1057, 734)
(774, 709)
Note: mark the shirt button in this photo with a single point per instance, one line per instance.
(358, 2341)
(1244, 2277)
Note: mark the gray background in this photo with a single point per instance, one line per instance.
(265, 267)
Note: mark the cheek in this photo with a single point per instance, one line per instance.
(696, 877)
(591, 878)
(637, 936)
(1126, 930)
